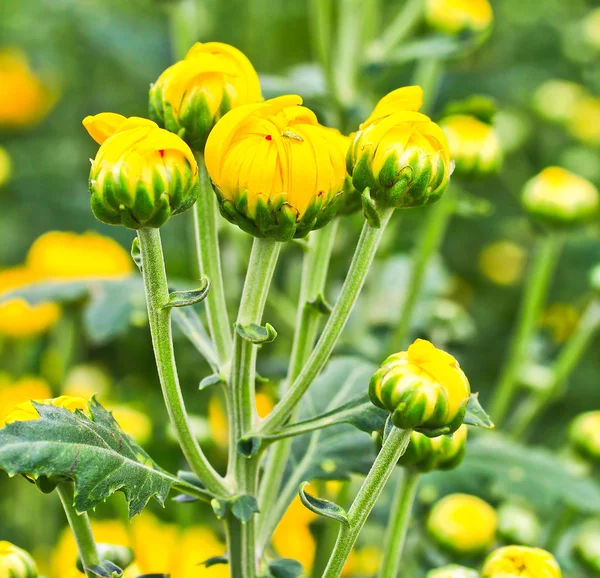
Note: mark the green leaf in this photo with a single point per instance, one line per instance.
(320, 304)
(243, 507)
(106, 569)
(189, 297)
(94, 453)
(214, 379)
(188, 320)
(255, 333)
(220, 507)
(322, 507)
(136, 254)
(285, 568)
(476, 415)
(215, 560)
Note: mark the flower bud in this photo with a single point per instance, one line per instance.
(192, 95)
(458, 16)
(584, 123)
(463, 524)
(441, 453)
(560, 198)
(474, 145)
(400, 154)
(277, 173)
(584, 434)
(587, 544)
(141, 175)
(453, 571)
(424, 388)
(16, 562)
(518, 524)
(26, 411)
(555, 100)
(520, 561)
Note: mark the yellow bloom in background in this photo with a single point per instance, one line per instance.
(264, 404)
(591, 28)
(584, 124)
(561, 320)
(453, 571)
(17, 317)
(142, 174)
(13, 393)
(503, 262)
(584, 434)
(400, 154)
(26, 411)
(24, 99)
(464, 524)
(474, 145)
(5, 167)
(556, 99)
(134, 423)
(424, 388)
(277, 172)
(65, 255)
(456, 16)
(86, 380)
(16, 562)
(520, 562)
(192, 95)
(559, 197)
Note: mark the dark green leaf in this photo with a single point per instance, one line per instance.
(214, 379)
(249, 446)
(285, 568)
(476, 415)
(243, 507)
(255, 333)
(220, 508)
(215, 560)
(189, 297)
(323, 507)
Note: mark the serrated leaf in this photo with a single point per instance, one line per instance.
(322, 507)
(285, 568)
(215, 560)
(255, 333)
(94, 453)
(190, 296)
(243, 507)
(476, 415)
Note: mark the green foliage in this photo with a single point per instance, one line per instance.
(321, 507)
(285, 568)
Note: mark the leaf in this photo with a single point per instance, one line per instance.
(322, 507)
(191, 325)
(476, 415)
(285, 568)
(189, 297)
(255, 333)
(136, 253)
(94, 453)
(320, 304)
(215, 560)
(214, 379)
(243, 507)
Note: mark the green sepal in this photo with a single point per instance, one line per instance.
(285, 568)
(322, 507)
(244, 507)
(136, 253)
(320, 304)
(191, 297)
(220, 508)
(370, 209)
(475, 415)
(255, 333)
(214, 379)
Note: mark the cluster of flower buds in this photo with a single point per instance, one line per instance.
(16, 562)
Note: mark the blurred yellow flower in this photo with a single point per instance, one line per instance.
(134, 423)
(456, 16)
(17, 317)
(463, 524)
(26, 411)
(556, 99)
(24, 100)
(16, 562)
(65, 255)
(503, 262)
(86, 380)
(5, 167)
(561, 320)
(13, 393)
(584, 123)
(264, 404)
(521, 561)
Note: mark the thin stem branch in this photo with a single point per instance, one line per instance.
(541, 273)
(80, 526)
(395, 445)
(157, 296)
(398, 523)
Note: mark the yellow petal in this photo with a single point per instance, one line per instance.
(405, 98)
(103, 125)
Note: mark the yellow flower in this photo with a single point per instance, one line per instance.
(20, 391)
(16, 562)
(561, 320)
(26, 411)
(264, 404)
(584, 123)
(560, 198)
(520, 562)
(463, 524)
(5, 167)
(584, 434)
(65, 255)
(424, 388)
(453, 571)
(133, 422)
(474, 145)
(277, 172)
(456, 16)
(85, 381)
(503, 262)
(556, 100)
(400, 154)
(142, 174)
(24, 100)
(192, 95)
(17, 317)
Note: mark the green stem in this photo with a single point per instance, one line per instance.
(427, 75)
(567, 361)
(207, 243)
(183, 31)
(157, 296)
(355, 279)
(541, 273)
(321, 18)
(428, 245)
(314, 275)
(398, 522)
(393, 448)
(242, 403)
(80, 526)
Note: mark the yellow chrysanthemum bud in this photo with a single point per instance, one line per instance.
(277, 172)
(457, 16)
(474, 145)
(441, 453)
(503, 262)
(518, 524)
(142, 174)
(520, 562)
(17, 317)
(192, 95)
(22, 390)
(16, 562)
(584, 434)
(584, 123)
(453, 571)
(399, 153)
(26, 411)
(463, 524)
(560, 198)
(424, 388)
(65, 255)
(5, 167)
(555, 100)
(24, 99)
(587, 544)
